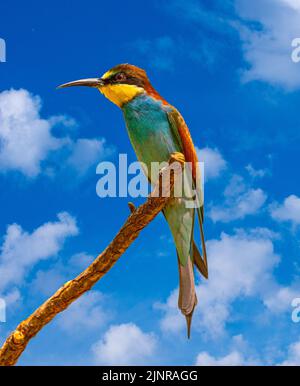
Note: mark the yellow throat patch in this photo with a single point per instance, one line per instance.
(120, 94)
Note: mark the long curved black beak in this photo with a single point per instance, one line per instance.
(90, 82)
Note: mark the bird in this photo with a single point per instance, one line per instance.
(157, 130)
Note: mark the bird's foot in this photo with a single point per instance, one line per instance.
(179, 157)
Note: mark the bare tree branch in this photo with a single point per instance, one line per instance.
(72, 290)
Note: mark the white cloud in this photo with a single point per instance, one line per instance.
(232, 359)
(240, 354)
(47, 282)
(26, 139)
(293, 358)
(125, 344)
(21, 250)
(86, 152)
(295, 4)
(172, 320)
(279, 299)
(240, 266)
(214, 163)
(12, 297)
(240, 201)
(81, 260)
(288, 211)
(268, 48)
(256, 173)
(266, 29)
(85, 314)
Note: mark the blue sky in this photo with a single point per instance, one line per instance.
(226, 65)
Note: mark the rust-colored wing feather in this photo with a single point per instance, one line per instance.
(183, 136)
(182, 133)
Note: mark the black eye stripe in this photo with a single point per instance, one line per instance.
(118, 78)
(122, 78)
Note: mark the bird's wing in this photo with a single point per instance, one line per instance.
(181, 132)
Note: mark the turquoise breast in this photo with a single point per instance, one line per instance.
(149, 130)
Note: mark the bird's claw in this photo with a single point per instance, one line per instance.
(179, 157)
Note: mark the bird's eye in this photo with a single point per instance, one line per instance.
(120, 77)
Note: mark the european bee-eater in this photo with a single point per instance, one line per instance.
(156, 130)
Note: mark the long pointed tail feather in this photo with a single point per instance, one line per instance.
(187, 299)
(188, 319)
